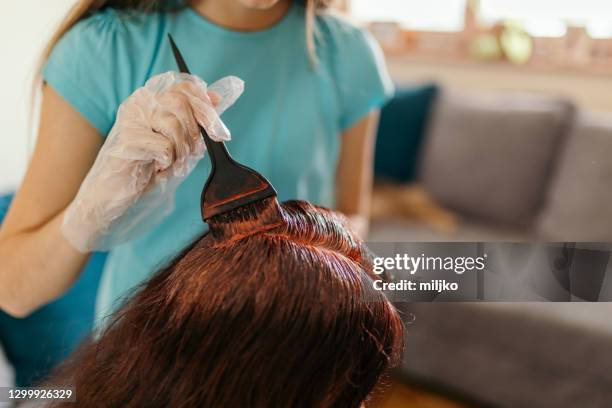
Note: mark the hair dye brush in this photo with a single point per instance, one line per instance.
(233, 192)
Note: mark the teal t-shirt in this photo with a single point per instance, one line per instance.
(287, 124)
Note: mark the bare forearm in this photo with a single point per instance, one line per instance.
(355, 202)
(355, 173)
(36, 267)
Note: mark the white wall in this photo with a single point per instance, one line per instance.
(25, 25)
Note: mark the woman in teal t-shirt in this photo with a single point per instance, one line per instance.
(306, 121)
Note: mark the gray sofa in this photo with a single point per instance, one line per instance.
(513, 167)
(534, 355)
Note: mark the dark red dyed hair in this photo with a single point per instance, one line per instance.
(275, 314)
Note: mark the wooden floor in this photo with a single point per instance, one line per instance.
(403, 396)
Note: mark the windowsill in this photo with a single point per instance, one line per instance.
(589, 90)
(531, 68)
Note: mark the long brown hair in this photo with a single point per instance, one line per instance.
(280, 316)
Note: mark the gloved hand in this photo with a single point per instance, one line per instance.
(154, 144)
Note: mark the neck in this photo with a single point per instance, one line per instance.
(233, 15)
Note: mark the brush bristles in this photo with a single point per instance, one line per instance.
(247, 220)
(245, 213)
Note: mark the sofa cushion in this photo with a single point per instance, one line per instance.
(490, 155)
(401, 132)
(536, 355)
(579, 205)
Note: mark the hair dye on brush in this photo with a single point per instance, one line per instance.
(265, 215)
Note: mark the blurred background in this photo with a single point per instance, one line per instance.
(500, 130)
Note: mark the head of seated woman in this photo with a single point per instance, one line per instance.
(261, 314)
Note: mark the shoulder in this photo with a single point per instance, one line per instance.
(337, 23)
(351, 49)
(357, 62)
(344, 35)
(101, 60)
(110, 30)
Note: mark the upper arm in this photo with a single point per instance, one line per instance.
(363, 87)
(66, 148)
(361, 77)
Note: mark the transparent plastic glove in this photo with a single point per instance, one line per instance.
(153, 146)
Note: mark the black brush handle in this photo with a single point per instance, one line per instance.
(230, 185)
(217, 151)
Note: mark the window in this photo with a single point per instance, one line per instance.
(549, 18)
(435, 15)
(541, 18)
